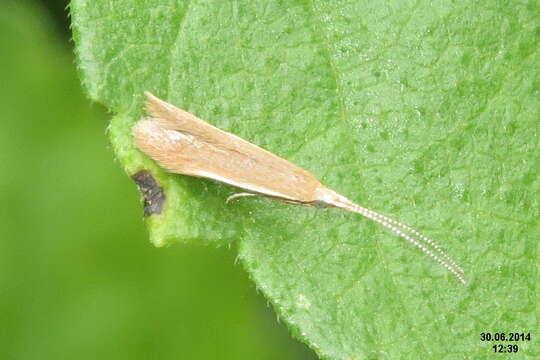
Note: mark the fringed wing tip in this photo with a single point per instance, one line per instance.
(150, 96)
(139, 131)
(154, 105)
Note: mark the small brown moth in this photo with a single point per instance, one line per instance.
(184, 144)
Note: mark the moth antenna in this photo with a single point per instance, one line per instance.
(398, 229)
(419, 235)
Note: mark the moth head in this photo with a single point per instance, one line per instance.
(325, 198)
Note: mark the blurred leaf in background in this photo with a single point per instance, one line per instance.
(78, 278)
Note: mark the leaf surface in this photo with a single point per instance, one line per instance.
(425, 111)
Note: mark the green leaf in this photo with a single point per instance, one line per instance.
(427, 112)
(78, 279)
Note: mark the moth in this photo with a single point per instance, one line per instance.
(182, 143)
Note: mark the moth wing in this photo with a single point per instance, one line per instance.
(182, 143)
(186, 154)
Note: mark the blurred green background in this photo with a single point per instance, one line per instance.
(78, 277)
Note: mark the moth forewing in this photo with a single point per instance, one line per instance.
(182, 143)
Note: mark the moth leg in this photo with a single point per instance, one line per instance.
(238, 195)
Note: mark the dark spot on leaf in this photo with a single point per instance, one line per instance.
(153, 195)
